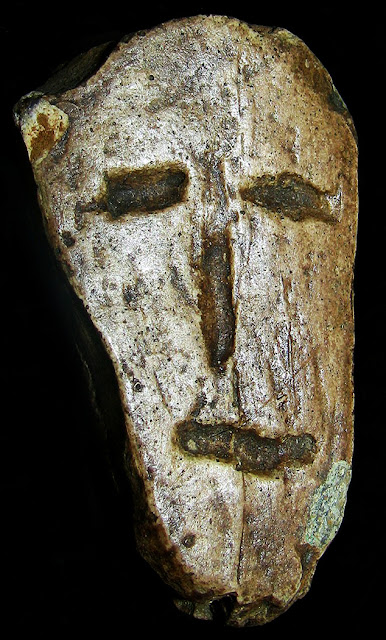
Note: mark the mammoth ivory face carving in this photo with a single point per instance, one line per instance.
(200, 188)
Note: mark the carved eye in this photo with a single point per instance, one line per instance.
(144, 190)
(290, 195)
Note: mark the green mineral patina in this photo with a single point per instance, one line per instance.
(328, 504)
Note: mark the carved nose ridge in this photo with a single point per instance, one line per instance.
(215, 300)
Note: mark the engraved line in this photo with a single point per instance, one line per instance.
(239, 559)
(296, 373)
(291, 364)
(164, 402)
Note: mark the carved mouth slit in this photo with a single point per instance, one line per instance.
(244, 448)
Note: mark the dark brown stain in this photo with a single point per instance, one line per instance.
(144, 190)
(244, 448)
(46, 136)
(206, 440)
(288, 194)
(215, 299)
(68, 239)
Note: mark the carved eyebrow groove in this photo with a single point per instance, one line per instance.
(290, 195)
(144, 190)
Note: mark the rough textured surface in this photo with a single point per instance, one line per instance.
(199, 188)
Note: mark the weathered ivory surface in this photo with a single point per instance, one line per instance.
(200, 189)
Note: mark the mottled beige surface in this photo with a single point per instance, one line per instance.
(251, 119)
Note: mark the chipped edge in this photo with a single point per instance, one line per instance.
(42, 126)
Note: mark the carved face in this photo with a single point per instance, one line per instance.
(201, 188)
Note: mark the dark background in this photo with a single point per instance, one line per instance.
(68, 559)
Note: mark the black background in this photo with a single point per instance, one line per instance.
(68, 557)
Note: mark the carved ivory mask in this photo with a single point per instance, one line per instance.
(200, 188)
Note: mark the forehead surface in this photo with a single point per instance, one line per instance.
(213, 86)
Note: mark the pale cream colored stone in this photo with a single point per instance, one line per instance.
(201, 189)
